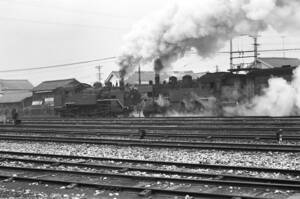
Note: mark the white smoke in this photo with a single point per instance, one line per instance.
(204, 25)
(162, 101)
(281, 98)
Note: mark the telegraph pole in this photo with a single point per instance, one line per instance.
(283, 46)
(231, 54)
(99, 72)
(255, 50)
(140, 81)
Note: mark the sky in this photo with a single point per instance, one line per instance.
(38, 33)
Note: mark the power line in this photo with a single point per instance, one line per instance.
(58, 65)
(265, 50)
(59, 23)
(76, 11)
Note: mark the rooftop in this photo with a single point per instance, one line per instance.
(14, 97)
(54, 84)
(277, 62)
(9, 85)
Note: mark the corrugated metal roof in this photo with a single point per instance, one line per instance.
(277, 62)
(6, 84)
(51, 85)
(14, 97)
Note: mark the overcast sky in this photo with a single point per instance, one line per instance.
(37, 33)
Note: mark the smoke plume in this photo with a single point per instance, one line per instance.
(203, 25)
(281, 98)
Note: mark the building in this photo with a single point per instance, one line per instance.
(52, 93)
(14, 94)
(275, 62)
(7, 85)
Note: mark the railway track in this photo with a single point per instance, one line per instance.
(135, 133)
(142, 176)
(181, 165)
(162, 127)
(126, 173)
(239, 118)
(192, 127)
(167, 122)
(157, 143)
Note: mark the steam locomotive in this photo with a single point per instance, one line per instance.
(209, 95)
(101, 102)
(212, 93)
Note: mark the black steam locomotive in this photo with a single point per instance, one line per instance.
(99, 102)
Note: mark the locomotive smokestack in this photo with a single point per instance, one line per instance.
(122, 84)
(158, 66)
(157, 79)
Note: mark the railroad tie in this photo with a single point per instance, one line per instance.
(71, 186)
(56, 164)
(10, 179)
(123, 170)
(145, 193)
(142, 133)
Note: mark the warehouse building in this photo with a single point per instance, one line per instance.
(14, 94)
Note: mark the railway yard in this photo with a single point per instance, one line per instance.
(180, 157)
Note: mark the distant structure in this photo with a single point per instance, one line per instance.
(147, 76)
(49, 94)
(275, 62)
(14, 94)
(267, 63)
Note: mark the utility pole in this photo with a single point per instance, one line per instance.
(140, 81)
(283, 46)
(217, 68)
(99, 72)
(255, 49)
(231, 54)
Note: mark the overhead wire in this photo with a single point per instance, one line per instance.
(21, 69)
(74, 11)
(59, 23)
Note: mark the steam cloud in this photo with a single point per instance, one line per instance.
(202, 25)
(281, 98)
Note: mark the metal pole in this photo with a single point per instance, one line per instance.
(99, 72)
(283, 46)
(255, 50)
(140, 81)
(231, 54)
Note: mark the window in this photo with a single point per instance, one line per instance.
(36, 103)
(49, 101)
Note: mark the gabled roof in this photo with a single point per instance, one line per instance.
(276, 62)
(6, 85)
(54, 84)
(14, 97)
(272, 72)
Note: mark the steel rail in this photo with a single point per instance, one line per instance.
(174, 142)
(160, 171)
(100, 132)
(160, 127)
(129, 188)
(161, 144)
(295, 186)
(136, 161)
(167, 122)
